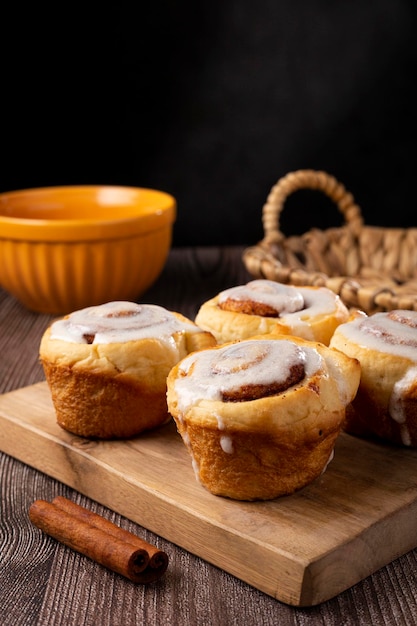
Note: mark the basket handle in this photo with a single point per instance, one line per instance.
(308, 179)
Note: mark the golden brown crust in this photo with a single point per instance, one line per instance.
(253, 391)
(261, 466)
(371, 413)
(114, 390)
(95, 406)
(232, 320)
(273, 445)
(249, 307)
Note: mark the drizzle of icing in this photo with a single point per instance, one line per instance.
(208, 374)
(118, 322)
(226, 444)
(295, 306)
(281, 298)
(186, 438)
(329, 460)
(393, 332)
(396, 404)
(220, 422)
(195, 466)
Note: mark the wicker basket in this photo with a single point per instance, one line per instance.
(371, 268)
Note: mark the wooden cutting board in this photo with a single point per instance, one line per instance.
(302, 549)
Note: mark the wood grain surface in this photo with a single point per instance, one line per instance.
(45, 583)
(367, 493)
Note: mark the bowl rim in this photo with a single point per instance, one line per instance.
(82, 229)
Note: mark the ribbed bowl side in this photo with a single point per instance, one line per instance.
(59, 278)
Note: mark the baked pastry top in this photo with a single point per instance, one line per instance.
(386, 403)
(260, 416)
(106, 366)
(263, 306)
(111, 338)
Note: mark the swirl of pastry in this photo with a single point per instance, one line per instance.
(393, 332)
(264, 306)
(386, 345)
(260, 416)
(118, 322)
(246, 371)
(262, 297)
(107, 365)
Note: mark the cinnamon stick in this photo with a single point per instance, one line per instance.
(99, 539)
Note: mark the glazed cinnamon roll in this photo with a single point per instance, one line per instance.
(260, 416)
(106, 366)
(386, 402)
(264, 306)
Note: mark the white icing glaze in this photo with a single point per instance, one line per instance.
(405, 435)
(282, 298)
(393, 332)
(337, 374)
(220, 422)
(329, 460)
(208, 374)
(396, 404)
(295, 306)
(118, 322)
(195, 466)
(226, 444)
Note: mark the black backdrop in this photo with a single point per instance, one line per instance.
(213, 102)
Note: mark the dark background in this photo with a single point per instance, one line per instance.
(214, 102)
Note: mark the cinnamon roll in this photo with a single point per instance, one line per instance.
(260, 416)
(264, 306)
(106, 366)
(386, 403)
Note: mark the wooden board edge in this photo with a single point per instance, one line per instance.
(345, 571)
(284, 577)
(215, 544)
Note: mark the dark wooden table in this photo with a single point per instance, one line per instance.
(44, 583)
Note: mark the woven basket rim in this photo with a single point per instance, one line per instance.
(372, 268)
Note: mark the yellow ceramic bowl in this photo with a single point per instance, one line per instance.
(66, 248)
